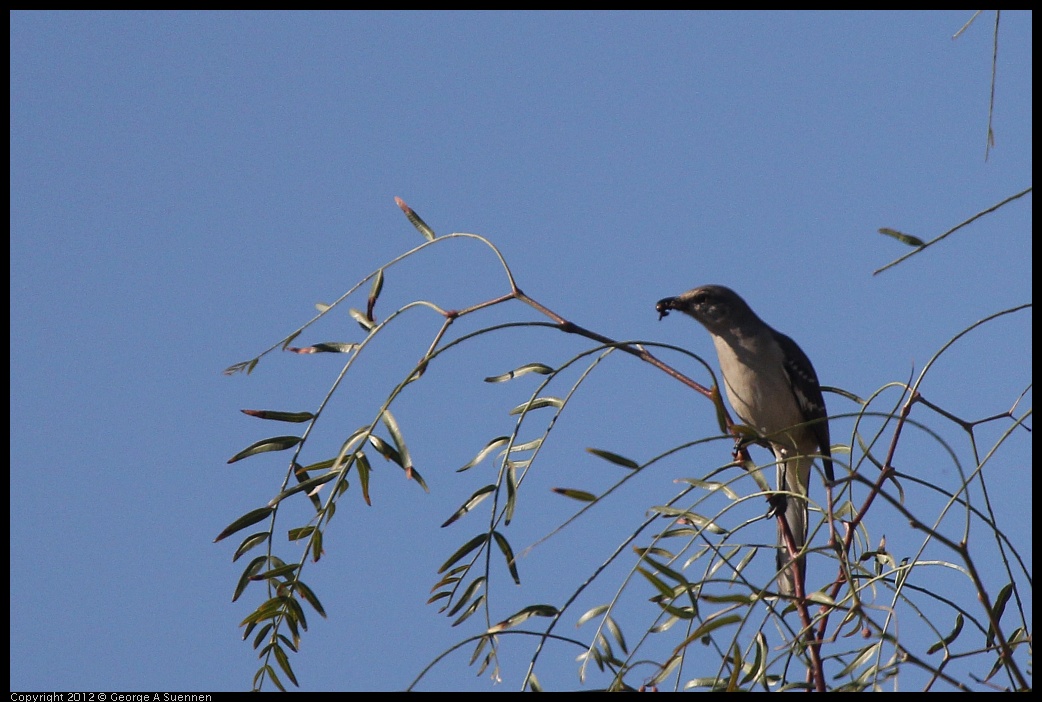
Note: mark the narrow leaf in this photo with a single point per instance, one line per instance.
(296, 417)
(470, 610)
(999, 607)
(463, 550)
(414, 218)
(325, 347)
(950, 638)
(247, 574)
(689, 517)
(249, 542)
(276, 443)
(538, 403)
(526, 613)
(300, 533)
(483, 453)
(363, 321)
(307, 486)
(294, 612)
(276, 572)
(374, 292)
(580, 495)
(283, 661)
(902, 237)
(247, 366)
(511, 482)
(261, 634)
(418, 479)
(470, 504)
(270, 672)
(399, 441)
(316, 540)
(467, 594)
(385, 449)
(364, 469)
(289, 339)
(615, 458)
(248, 519)
(308, 596)
(707, 627)
(590, 614)
(540, 368)
(508, 554)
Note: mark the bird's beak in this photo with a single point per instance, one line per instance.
(666, 304)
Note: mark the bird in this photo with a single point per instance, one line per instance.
(773, 388)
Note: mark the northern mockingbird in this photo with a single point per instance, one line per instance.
(772, 387)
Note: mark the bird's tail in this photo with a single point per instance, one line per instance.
(793, 475)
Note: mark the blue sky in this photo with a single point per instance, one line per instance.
(185, 187)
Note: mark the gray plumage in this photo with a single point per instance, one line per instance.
(773, 388)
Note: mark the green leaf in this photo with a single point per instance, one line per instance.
(526, 613)
(538, 403)
(274, 678)
(483, 453)
(510, 478)
(295, 613)
(363, 321)
(249, 542)
(540, 368)
(615, 458)
(296, 417)
(364, 470)
(289, 339)
(267, 610)
(902, 237)
(950, 638)
(374, 292)
(332, 347)
(664, 569)
(707, 627)
(283, 661)
(385, 449)
(580, 495)
(259, 639)
(247, 366)
(308, 596)
(276, 443)
(415, 220)
(616, 633)
(467, 594)
(418, 479)
(248, 519)
(710, 486)
(470, 504)
(276, 572)
(665, 591)
(288, 644)
(247, 575)
(399, 441)
(999, 607)
(316, 541)
(463, 550)
(590, 614)
(689, 517)
(305, 486)
(508, 554)
(300, 533)
(469, 611)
